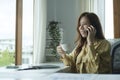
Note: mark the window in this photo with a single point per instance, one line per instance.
(27, 31)
(16, 18)
(104, 9)
(7, 32)
(109, 32)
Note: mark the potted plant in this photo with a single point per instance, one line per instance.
(55, 37)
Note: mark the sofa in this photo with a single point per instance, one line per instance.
(115, 54)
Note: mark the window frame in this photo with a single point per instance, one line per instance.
(18, 37)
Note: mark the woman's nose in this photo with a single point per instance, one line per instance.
(82, 27)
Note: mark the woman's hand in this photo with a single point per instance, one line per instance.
(91, 34)
(60, 51)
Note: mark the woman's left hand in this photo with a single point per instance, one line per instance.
(91, 34)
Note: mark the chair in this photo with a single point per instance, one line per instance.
(115, 53)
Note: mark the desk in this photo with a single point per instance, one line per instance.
(70, 76)
(52, 74)
(37, 74)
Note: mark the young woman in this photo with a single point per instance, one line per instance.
(92, 51)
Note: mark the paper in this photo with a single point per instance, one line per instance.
(70, 76)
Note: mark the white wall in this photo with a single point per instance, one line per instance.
(65, 12)
(51, 10)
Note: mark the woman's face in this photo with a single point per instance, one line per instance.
(84, 24)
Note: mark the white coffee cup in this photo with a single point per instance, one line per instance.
(64, 47)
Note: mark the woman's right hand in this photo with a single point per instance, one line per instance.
(60, 51)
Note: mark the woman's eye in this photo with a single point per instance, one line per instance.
(85, 24)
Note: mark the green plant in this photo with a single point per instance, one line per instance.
(54, 33)
(7, 58)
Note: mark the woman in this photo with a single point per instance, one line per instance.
(92, 51)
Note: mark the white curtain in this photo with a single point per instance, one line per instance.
(99, 9)
(86, 5)
(39, 31)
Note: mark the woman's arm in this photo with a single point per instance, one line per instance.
(68, 59)
(99, 60)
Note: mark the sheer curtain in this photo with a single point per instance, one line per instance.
(104, 9)
(99, 9)
(39, 31)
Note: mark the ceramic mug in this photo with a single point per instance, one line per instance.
(64, 47)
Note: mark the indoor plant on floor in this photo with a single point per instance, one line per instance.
(54, 38)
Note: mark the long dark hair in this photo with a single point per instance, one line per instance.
(95, 22)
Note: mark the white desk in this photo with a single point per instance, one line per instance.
(52, 74)
(37, 74)
(69, 76)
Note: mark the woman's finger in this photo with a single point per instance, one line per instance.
(89, 29)
(93, 28)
